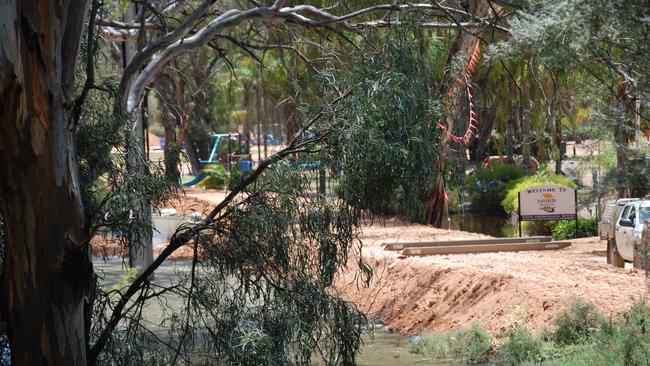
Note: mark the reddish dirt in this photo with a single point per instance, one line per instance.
(194, 200)
(499, 291)
(109, 247)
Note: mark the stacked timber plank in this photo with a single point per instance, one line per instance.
(477, 246)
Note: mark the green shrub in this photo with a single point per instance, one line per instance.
(521, 348)
(487, 187)
(472, 345)
(564, 230)
(215, 177)
(433, 346)
(511, 202)
(577, 324)
(632, 336)
(589, 355)
(625, 342)
(475, 344)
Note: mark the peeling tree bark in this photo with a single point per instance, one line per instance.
(47, 272)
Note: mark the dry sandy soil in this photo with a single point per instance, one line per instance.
(499, 291)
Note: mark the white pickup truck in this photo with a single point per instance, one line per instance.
(622, 226)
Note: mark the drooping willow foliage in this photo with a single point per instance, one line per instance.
(385, 141)
(260, 287)
(103, 137)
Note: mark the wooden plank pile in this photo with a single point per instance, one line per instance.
(477, 245)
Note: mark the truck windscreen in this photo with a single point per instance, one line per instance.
(644, 214)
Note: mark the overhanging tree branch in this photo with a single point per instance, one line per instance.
(185, 233)
(156, 55)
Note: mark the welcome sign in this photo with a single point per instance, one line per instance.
(541, 203)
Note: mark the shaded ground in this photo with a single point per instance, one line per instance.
(496, 290)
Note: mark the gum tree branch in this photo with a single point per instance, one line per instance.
(185, 233)
(151, 59)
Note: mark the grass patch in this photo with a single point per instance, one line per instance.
(582, 336)
(523, 348)
(577, 324)
(564, 230)
(472, 345)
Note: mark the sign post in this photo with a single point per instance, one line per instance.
(575, 203)
(548, 202)
(519, 215)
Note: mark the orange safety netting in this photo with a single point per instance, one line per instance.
(465, 82)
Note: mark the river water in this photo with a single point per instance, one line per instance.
(381, 348)
(391, 349)
(496, 226)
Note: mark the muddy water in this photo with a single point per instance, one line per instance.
(384, 348)
(391, 349)
(380, 349)
(497, 226)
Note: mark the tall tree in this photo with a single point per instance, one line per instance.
(47, 274)
(48, 282)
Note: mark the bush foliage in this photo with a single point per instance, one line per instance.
(577, 323)
(521, 347)
(390, 165)
(215, 177)
(487, 187)
(564, 230)
(472, 345)
(582, 336)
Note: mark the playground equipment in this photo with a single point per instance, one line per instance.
(215, 140)
(194, 181)
(215, 157)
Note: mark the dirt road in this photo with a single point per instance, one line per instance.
(496, 290)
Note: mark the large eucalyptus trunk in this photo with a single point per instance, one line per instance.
(47, 272)
(192, 154)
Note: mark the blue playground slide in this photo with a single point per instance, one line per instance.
(194, 181)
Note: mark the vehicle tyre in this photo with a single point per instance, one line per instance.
(613, 257)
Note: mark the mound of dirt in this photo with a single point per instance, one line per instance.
(498, 291)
